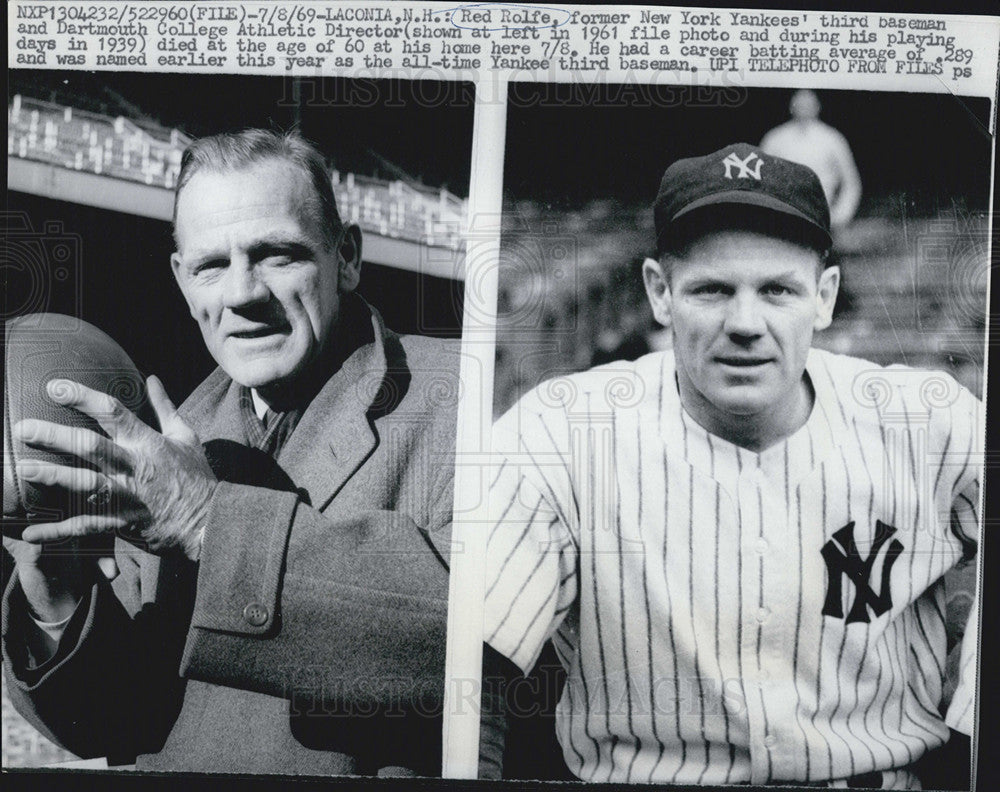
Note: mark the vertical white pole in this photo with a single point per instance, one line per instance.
(463, 663)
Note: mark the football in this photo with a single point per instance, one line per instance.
(38, 348)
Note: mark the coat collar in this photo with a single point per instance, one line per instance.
(336, 433)
(334, 436)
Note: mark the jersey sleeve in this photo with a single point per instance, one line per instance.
(961, 711)
(531, 557)
(965, 525)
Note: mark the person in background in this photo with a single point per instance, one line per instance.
(817, 145)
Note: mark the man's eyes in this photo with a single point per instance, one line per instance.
(709, 289)
(209, 265)
(724, 289)
(270, 257)
(280, 255)
(276, 260)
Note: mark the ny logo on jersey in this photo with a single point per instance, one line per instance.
(745, 171)
(842, 559)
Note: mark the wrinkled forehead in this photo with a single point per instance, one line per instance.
(270, 196)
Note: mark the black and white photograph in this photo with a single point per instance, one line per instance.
(233, 309)
(499, 395)
(739, 421)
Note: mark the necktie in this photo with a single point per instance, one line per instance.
(277, 429)
(270, 416)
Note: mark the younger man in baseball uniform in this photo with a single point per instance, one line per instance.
(737, 546)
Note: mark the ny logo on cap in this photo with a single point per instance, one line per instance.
(746, 172)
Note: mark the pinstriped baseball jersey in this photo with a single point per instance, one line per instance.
(728, 616)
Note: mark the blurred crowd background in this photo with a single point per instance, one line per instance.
(148, 153)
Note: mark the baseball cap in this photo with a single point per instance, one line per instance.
(741, 175)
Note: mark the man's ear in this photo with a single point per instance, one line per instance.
(657, 284)
(826, 297)
(176, 264)
(349, 259)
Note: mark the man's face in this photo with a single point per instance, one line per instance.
(256, 271)
(743, 307)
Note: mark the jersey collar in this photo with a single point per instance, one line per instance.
(823, 431)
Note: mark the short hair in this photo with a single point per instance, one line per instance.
(232, 151)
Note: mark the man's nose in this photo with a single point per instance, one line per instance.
(744, 318)
(244, 286)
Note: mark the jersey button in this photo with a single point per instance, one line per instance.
(761, 545)
(770, 741)
(255, 614)
(762, 615)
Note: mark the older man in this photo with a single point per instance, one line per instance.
(281, 600)
(737, 546)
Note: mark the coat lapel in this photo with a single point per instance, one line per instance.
(334, 436)
(213, 410)
(227, 422)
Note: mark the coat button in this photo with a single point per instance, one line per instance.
(255, 614)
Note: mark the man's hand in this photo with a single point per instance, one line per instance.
(153, 487)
